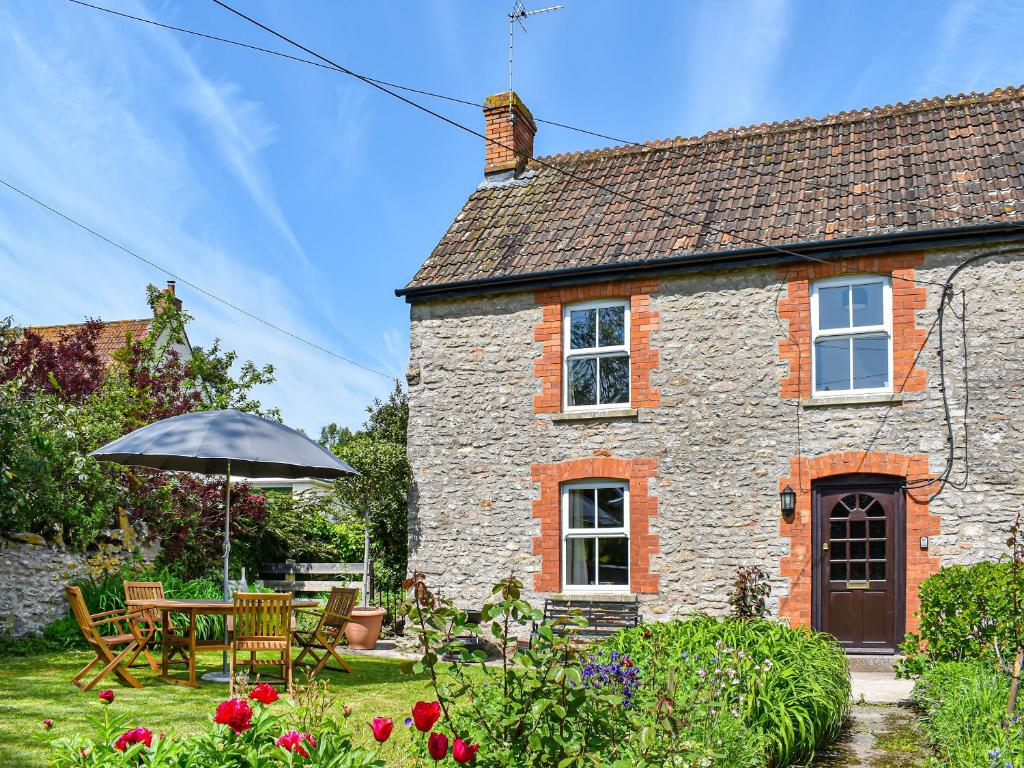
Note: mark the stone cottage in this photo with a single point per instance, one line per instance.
(636, 369)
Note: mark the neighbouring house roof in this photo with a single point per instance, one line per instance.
(113, 335)
(943, 164)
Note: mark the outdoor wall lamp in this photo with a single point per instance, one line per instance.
(787, 500)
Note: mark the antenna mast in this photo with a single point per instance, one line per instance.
(516, 16)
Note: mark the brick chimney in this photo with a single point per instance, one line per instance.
(169, 295)
(514, 129)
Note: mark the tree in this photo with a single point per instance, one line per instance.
(378, 452)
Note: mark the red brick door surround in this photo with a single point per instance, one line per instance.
(797, 566)
(642, 506)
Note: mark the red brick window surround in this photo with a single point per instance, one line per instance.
(643, 544)
(797, 566)
(907, 337)
(549, 333)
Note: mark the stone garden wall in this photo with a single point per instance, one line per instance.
(33, 573)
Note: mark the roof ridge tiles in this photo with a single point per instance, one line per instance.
(863, 114)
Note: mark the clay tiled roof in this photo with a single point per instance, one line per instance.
(113, 335)
(947, 162)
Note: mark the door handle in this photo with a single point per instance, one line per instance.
(824, 547)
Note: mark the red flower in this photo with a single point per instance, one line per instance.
(425, 715)
(292, 741)
(647, 634)
(437, 746)
(264, 693)
(48, 723)
(627, 662)
(107, 696)
(463, 751)
(235, 714)
(346, 710)
(382, 728)
(134, 736)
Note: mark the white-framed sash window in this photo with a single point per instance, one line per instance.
(595, 349)
(595, 536)
(851, 335)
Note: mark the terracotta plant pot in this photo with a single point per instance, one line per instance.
(363, 630)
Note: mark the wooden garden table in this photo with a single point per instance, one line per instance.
(188, 643)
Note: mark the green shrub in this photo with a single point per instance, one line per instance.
(699, 692)
(965, 716)
(106, 593)
(966, 614)
(794, 684)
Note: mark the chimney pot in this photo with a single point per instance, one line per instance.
(170, 287)
(509, 134)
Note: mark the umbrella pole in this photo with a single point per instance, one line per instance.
(227, 555)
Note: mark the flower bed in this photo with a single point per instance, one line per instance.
(772, 690)
(965, 716)
(699, 692)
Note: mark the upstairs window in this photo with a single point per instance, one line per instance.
(851, 327)
(595, 522)
(596, 350)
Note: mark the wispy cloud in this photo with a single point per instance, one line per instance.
(733, 52)
(971, 37)
(105, 129)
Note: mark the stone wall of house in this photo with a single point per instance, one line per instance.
(722, 434)
(33, 573)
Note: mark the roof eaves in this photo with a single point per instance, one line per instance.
(740, 257)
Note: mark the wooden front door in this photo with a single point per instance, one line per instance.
(859, 538)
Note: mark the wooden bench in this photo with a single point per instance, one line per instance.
(604, 617)
(308, 578)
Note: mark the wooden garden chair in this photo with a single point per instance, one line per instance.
(150, 620)
(115, 651)
(262, 623)
(329, 631)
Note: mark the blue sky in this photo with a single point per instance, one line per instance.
(307, 197)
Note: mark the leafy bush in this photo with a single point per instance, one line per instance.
(965, 716)
(106, 593)
(790, 685)
(749, 596)
(699, 692)
(966, 614)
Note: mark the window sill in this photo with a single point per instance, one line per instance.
(605, 413)
(621, 596)
(886, 398)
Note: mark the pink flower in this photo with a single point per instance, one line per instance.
(424, 715)
(234, 713)
(382, 727)
(134, 736)
(264, 693)
(437, 746)
(292, 741)
(48, 723)
(346, 710)
(106, 696)
(463, 751)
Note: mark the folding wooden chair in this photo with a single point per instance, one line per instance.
(329, 631)
(150, 621)
(116, 651)
(262, 622)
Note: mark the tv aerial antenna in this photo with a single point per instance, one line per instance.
(516, 16)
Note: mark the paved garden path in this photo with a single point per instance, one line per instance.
(882, 731)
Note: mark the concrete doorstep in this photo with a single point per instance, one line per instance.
(879, 688)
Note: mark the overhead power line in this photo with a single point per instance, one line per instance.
(189, 283)
(547, 164)
(645, 146)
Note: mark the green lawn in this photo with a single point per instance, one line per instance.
(37, 686)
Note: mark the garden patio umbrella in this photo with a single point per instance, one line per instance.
(222, 442)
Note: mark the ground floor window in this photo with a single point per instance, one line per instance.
(595, 542)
